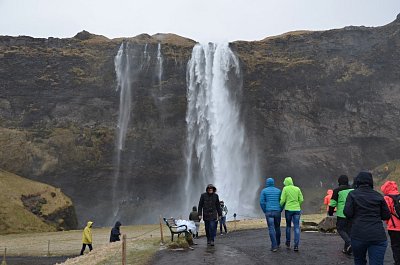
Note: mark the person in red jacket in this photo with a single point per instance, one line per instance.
(327, 199)
(393, 224)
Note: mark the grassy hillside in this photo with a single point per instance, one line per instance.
(30, 206)
(387, 171)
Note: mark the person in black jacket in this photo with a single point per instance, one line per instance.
(338, 200)
(210, 210)
(367, 208)
(115, 233)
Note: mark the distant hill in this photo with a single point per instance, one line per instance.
(30, 206)
(387, 171)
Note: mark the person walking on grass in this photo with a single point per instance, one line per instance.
(291, 200)
(194, 216)
(367, 208)
(87, 237)
(210, 210)
(270, 205)
(222, 220)
(338, 200)
(115, 233)
(392, 198)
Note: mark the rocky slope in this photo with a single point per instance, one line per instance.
(316, 104)
(30, 206)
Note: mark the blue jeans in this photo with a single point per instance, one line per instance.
(376, 252)
(295, 217)
(274, 227)
(222, 222)
(211, 229)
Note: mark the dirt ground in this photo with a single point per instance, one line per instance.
(250, 247)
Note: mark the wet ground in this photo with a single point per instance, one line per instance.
(253, 247)
(34, 260)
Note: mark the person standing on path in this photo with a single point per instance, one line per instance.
(270, 205)
(291, 200)
(222, 220)
(115, 232)
(194, 216)
(338, 200)
(367, 208)
(209, 211)
(391, 193)
(87, 237)
(327, 199)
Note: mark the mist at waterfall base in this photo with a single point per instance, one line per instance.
(218, 150)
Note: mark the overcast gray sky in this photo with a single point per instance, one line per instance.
(201, 20)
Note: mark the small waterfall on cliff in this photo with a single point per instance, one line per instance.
(122, 62)
(122, 67)
(159, 65)
(131, 61)
(217, 149)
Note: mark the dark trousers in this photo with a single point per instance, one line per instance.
(274, 227)
(84, 247)
(211, 229)
(395, 244)
(343, 227)
(222, 222)
(376, 252)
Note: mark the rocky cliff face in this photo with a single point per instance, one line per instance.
(316, 104)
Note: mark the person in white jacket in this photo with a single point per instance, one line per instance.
(222, 220)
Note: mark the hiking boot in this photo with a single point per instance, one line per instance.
(221, 234)
(296, 248)
(208, 242)
(212, 243)
(274, 249)
(287, 245)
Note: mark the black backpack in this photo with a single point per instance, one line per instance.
(396, 206)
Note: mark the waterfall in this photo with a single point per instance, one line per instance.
(134, 64)
(122, 63)
(122, 69)
(218, 151)
(159, 66)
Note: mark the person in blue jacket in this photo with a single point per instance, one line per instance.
(269, 202)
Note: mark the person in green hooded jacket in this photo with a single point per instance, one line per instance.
(291, 200)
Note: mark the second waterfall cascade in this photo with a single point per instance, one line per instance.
(218, 150)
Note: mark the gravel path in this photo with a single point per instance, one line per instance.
(250, 247)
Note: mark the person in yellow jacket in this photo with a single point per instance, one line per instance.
(87, 237)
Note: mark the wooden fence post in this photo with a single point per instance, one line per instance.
(124, 249)
(161, 231)
(48, 247)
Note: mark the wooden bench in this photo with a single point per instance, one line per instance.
(175, 229)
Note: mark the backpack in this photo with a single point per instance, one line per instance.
(396, 206)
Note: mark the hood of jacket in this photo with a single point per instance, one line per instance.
(288, 181)
(364, 178)
(329, 192)
(270, 182)
(390, 187)
(117, 224)
(89, 224)
(343, 180)
(194, 209)
(211, 186)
